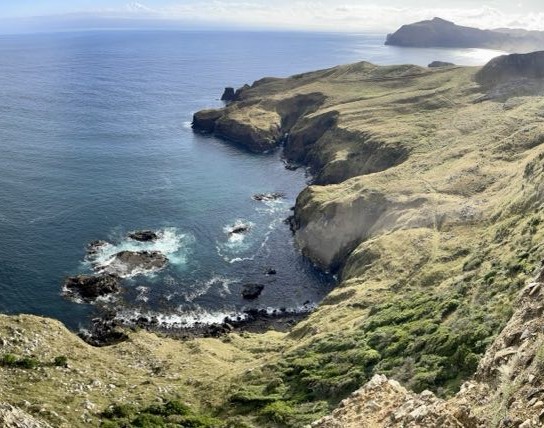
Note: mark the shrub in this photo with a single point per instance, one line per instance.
(9, 360)
(61, 361)
(28, 363)
(278, 412)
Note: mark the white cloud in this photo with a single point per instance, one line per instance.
(321, 15)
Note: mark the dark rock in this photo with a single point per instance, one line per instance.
(228, 94)
(129, 262)
(270, 271)
(252, 291)
(205, 120)
(90, 287)
(439, 64)
(104, 332)
(239, 228)
(264, 197)
(143, 236)
(95, 246)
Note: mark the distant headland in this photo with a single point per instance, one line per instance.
(438, 32)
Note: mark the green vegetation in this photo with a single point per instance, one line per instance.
(171, 414)
(10, 360)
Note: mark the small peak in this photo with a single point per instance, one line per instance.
(438, 20)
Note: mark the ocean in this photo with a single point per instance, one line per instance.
(95, 142)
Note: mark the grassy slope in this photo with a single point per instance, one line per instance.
(423, 293)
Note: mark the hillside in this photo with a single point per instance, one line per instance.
(438, 32)
(426, 202)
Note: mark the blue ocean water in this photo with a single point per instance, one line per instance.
(95, 142)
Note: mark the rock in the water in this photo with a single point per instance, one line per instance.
(228, 95)
(264, 197)
(439, 64)
(143, 236)
(252, 291)
(90, 287)
(239, 228)
(270, 271)
(95, 246)
(129, 263)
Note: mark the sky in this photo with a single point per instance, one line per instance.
(323, 15)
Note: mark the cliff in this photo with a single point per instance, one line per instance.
(438, 32)
(427, 200)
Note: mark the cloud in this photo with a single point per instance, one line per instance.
(317, 15)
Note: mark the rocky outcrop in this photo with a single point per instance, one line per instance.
(130, 263)
(90, 287)
(384, 403)
(228, 94)
(252, 291)
(204, 120)
(143, 236)
(268, 197)
(13, 417)
(438, 32)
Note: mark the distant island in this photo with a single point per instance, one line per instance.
(438, 32)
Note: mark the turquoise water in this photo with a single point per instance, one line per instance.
(95, 142)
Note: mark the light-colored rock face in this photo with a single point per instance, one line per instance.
(13, 417)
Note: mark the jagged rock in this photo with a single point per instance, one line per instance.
(13, 417)
(143, 236)
(104, 331)
(264, 197)
(95, 246)
(133, 262)
(239, 228)
(228, 94)
(440, 64)
(252, 291)
(270, 271)
(90, 287)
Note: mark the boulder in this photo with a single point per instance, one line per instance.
(143, 236)
(252, 291)
(90, 287)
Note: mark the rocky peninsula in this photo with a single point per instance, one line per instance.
(426, 201)
(438, 32)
